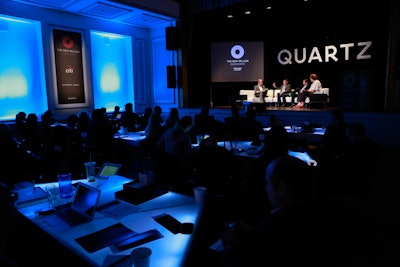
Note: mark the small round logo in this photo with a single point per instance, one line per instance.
(69, 69)
(67, 42)
(237, 51)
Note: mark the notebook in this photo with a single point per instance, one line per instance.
(108, 169)
(30, 195)
(82, 209)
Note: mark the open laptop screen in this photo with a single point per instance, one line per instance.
(85, 200)
(108, 169)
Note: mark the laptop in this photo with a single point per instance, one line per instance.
(82, 209)
(108, 169)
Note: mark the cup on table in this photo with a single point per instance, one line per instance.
(200, 194)
(52, 190)
(146, 177)
(141, 257)
(90, 171)
(65, 185)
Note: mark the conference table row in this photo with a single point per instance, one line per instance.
(313, 135)
(170, 249)
(242, 148)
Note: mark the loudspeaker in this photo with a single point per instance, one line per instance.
(171, 77)
(171, 38)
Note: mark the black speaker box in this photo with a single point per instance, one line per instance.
(171, 38)
(171, 77)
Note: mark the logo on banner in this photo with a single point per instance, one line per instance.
(237, 51)
(238, 62)
(67, 42)
(69, 69)
(349, 51)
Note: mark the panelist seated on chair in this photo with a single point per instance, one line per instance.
(283, 90)
(300, 92)
(260, 91)
(314, 87)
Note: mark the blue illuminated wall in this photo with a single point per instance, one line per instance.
(121, 63)
(163, 95)
(112, 70)
(22, 77)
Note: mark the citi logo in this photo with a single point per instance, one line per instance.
(69, 70)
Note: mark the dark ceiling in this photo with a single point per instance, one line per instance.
(147, 14)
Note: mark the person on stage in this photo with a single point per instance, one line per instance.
(283, 90)
(315, 87)
(260, 91)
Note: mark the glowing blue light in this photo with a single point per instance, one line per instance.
(110, 79)
(22, 76)
(112, 70)
(13, 84)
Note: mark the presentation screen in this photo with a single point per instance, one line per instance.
(237, 61)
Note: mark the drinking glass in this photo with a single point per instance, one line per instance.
(52, 190)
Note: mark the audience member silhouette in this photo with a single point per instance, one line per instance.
(216, 167)
(362, 160)
(100, 132)
(155, 127)
(330, 156)
(116, 112)
(144, 118)
(83, 122)
(235, 125)
(276, 142)
(44, 126)
(176, 146)
(75, 142)
(335, 140)
(10, 158)
(204, 123)
(55, 157)
(20, 120)
(153, 133)
(173, 117)
(289, 234)
(99, 144)
(104, 111)
(31, 135)
(253, 128)
(129, 119)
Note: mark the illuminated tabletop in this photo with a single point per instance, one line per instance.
(168, 251)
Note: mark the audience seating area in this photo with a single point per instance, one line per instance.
(320, 97)
(238, 193)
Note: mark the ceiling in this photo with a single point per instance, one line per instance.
(139, 13)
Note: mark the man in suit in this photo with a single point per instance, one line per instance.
(283, 90)
(297, 92)
(260, 91)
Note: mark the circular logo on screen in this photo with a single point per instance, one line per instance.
(67, 42)
(237, 51)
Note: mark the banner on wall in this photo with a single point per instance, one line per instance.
(69, 67)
